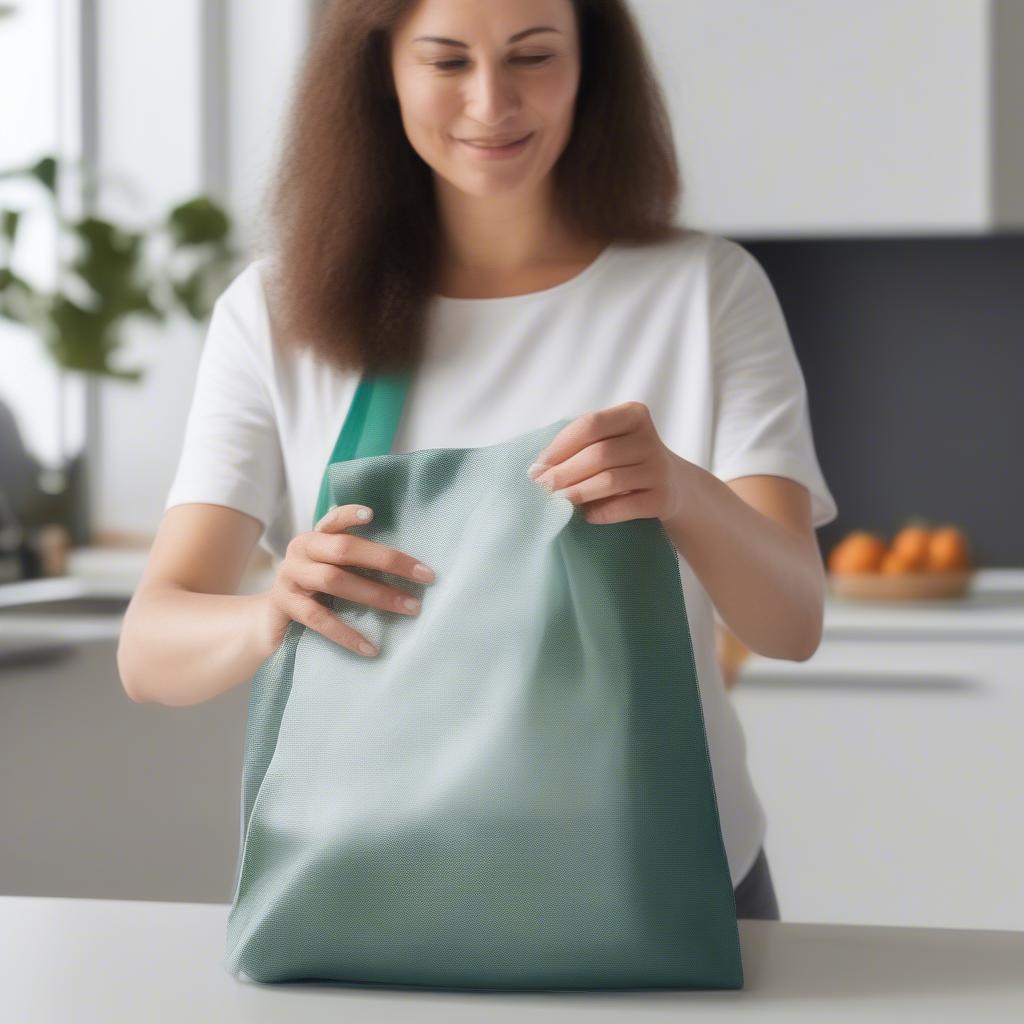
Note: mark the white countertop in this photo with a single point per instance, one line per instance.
(992, 609)
(994, 603)
(993, 606)
(88, 960)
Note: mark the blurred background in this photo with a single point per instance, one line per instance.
(869, 154)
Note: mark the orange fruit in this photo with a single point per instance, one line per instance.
(858, 551)
(948, 550)
(895, 563)
(911, 544)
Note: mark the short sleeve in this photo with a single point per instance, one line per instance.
(761, 418)
(231, 453)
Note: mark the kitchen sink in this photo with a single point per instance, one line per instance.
(46, 619)
(88, 604)
(65, 595)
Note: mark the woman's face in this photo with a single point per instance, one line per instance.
(494, 80)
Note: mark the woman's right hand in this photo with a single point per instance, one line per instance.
(315, 562)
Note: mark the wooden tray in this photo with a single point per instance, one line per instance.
(912, 586)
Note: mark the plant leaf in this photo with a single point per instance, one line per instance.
(197, 221)
(10, 228)
(45, 171)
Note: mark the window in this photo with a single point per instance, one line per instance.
(40, 86)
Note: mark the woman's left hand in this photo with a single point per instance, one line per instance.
(613, 463)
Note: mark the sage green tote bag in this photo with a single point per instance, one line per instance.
(516, 792)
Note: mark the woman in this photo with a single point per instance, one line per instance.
(525, 283)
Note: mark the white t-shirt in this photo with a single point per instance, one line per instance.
(690, 326)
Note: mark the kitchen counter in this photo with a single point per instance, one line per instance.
(889, 766)
(994, 602)
(992, 607)
(86, 960)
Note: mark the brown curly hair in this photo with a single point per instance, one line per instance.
(348, 225)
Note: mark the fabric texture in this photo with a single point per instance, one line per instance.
(516, 793)
(690, 326)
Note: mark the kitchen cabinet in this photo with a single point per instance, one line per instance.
(105, 798)
(889, 764)
(798, 117)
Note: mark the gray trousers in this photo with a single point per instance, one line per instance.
(755, 895)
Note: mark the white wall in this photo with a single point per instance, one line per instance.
(266, 39)
(151, 131)
(149, 135)
(1007, 122)
(32, 128)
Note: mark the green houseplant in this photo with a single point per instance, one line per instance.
(109, 278)
(107, 273)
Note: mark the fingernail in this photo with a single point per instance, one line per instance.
(367, 648)
(364, 514)
(421, 572)
(536, 469)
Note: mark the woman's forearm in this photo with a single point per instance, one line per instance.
(179, 647)
(766, 582)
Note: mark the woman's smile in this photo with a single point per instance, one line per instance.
(496, 152)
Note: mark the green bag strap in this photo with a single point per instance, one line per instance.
(369, 427)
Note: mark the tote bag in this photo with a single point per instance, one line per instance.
(516, 792)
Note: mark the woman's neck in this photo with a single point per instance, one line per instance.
(553, 268)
